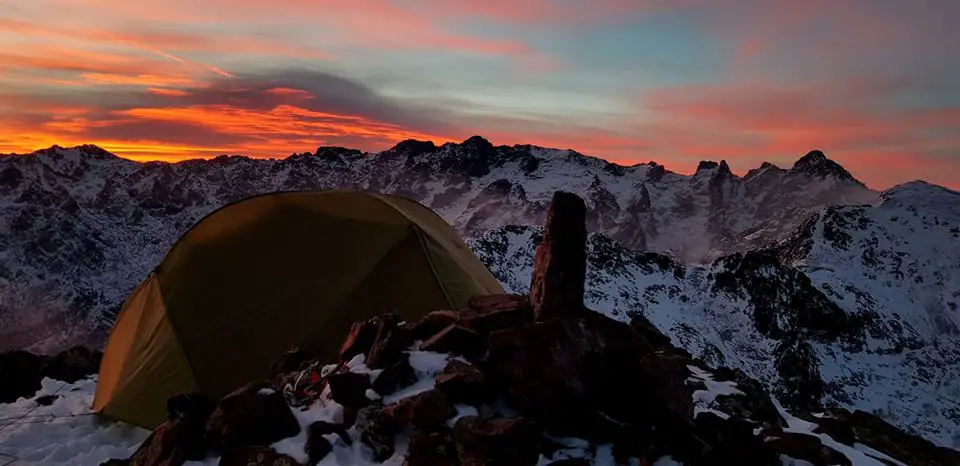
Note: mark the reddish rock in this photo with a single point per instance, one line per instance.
(463, 383)
(455, 339)
(491, 320)
(434, 448)
(256, 456)
(560, 267)
(499, 302)
(253, 415)
(496, 442)
(359, 339)
(290, 361)
(395, 377)
(172, 444)
(424, 410)
(350, 389)
(434, 322)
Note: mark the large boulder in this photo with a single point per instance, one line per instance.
(399, 375)
(455, 339)
(253, 415)
(20, 372)
(560, 267)
(496, 442)
(594, 362)
(350, 389)
(73, 364)
(425, 410)
(377, 431)
(463, 383)
(174, 442)
(256, 456)
(433, 448)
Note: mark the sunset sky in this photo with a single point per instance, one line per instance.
(873, 83)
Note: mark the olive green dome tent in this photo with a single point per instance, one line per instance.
(260, 275)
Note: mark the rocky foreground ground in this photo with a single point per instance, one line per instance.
(532, 379)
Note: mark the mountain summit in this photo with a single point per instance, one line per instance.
(816, 163)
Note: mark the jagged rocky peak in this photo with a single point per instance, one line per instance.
(713, 168)
(477, 143)
(816, 163)
(414, 147)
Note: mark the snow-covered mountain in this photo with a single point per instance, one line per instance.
(79, 227)
(857, 308)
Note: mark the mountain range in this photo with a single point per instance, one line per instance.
(803, 277)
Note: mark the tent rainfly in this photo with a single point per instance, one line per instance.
(260, 275)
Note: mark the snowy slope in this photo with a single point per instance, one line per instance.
(79, 227)
(858, 308)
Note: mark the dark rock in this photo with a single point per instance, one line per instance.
(324, 428)
(837, 428)
(570, 462)
(545, 367)
(801, 387)
(318, 447)
(808, 448)
(377, 431)
(350, 389)
(496, 442)
(395, 377)
(20, 372)
(432, 323)
(423, 411)
(46, 400)
(560, 268)
(888, 439)
(463, 383)
(359, 339)
(756, 405)
(254, 415)
(455, 339)
(390, 343)
(256, 456)
(731, 441)
(115, 462)
(73, 364)
(432, 449)
(194, 405)
(290, 361)
(644, 327)
(173, 443)
(542, 366)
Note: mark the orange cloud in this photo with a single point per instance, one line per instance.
(286, 91)
(167, 92)
(139, 80)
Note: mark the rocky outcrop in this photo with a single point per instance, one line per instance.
(560, 270)
(21, 372)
